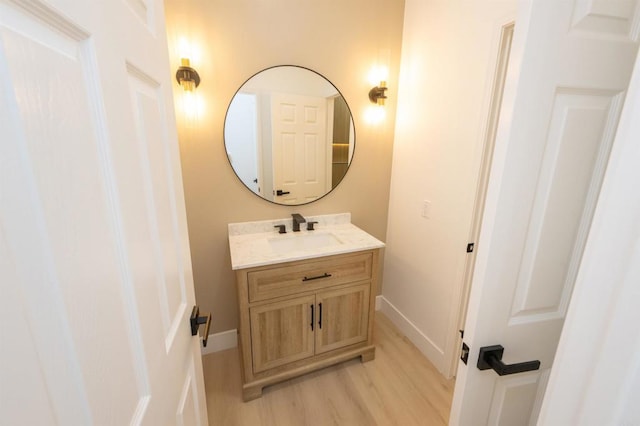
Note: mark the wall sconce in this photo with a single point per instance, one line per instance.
(377, 94)
(187, 77)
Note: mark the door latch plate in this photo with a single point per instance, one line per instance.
(464, 353)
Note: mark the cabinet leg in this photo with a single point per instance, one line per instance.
(368, 356)
(251, 392)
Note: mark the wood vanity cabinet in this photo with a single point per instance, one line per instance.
(301, 316)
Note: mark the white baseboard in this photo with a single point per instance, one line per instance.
(229, 339)
(221, 341)
(422, 342)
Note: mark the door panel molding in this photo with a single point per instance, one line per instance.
(578, 144)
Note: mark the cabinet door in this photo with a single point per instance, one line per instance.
(281, 332)
(343, 317)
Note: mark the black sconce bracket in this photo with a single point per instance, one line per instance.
(186, 73)
(377, 93)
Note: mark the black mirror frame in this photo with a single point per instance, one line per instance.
(225, 141)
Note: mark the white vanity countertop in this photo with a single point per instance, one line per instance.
(250, 243)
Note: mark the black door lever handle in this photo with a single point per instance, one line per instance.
(196, 320)
(491, 357)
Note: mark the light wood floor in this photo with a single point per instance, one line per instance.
(399, 387)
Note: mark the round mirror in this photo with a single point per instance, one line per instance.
(289, 135)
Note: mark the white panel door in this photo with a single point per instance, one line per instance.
(299, 128)
(95, 273)
(604, 310)
(565, 89)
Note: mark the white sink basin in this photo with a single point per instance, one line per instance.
(287, 244)
(257, 243)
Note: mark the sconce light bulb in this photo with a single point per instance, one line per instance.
(383, 72)
(188, 85)
(375, 114)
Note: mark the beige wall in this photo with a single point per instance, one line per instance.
(232, 40)
(448, 61)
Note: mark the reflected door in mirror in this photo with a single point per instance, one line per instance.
(300, 148)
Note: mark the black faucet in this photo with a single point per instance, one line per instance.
(297, 220)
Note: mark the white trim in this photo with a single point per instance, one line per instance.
(488, 226)
(498, 78)
(220, 341)
(413, 333)
(379, 302)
